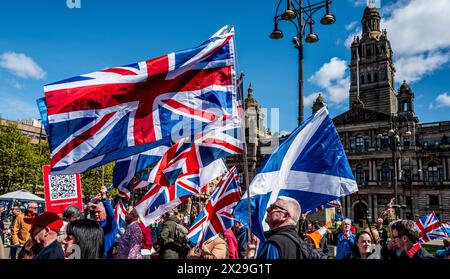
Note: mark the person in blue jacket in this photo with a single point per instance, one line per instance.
(104, 215)
(345, 240)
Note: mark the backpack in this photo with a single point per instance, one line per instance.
(304, 249)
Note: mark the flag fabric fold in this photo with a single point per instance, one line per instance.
(160, 199)
(216, 216)
(96, 118)
(309, 166)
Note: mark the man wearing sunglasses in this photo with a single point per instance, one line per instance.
(405, 236)
(282, 238)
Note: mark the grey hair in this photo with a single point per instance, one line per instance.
(71, 212)
(293, 207)
(408, 228)
(32, 202)
(347, 219)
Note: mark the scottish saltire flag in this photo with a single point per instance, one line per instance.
(160, 199)
(430, 228)
(216, 216)
(336, 204)
(111, 114)
(309, 166)
(119, 214)
(182, 163)
(126, 169)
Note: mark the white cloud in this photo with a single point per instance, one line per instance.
(417, 27)
(443, 100)
(358, 3)
(21, 65)
(413, 68)
(332, 78)
(419, 36)
(338, 93)
(351, 25)
(329, 72)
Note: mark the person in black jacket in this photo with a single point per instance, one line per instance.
(283, 241)
(405, 235)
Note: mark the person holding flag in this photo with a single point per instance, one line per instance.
(310, 167)
(104, 215)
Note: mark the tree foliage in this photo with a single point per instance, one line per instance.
(91, 180)
(20, 161)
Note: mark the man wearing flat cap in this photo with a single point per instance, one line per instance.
(44, 232)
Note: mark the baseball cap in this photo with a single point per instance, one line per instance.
(46, 219)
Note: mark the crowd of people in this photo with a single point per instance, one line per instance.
(95, 234)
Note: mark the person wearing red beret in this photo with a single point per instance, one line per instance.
(44, 232)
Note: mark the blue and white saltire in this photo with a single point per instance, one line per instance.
(126, 169)
(309, 166)
(331, 204)
(216, 216)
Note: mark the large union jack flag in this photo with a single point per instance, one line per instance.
(216, 217)
(430, 228)
(111, 114)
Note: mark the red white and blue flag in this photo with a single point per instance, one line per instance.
(126, 169)
(160, 199)
(181, 164)
(430, 228)
(111, 114)
(216, 216)
(119, 214)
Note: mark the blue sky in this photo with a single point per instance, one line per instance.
(45, 41)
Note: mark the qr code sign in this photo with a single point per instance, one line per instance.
(62, 187)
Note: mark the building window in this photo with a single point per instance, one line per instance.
(406, 142)
(432, 173)
(433, 200)
(369, 78)
(359, 144)
(360, 174)
(369, 51)
(384, 142)
(362, 79)
(408, 201)
(385, 173)
(375, 77)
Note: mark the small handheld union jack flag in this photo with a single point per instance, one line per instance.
(217, 217)
(430, 228)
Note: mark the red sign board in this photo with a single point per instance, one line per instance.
(61, 191)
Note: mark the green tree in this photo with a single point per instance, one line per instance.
(20, 161)
(91, 181)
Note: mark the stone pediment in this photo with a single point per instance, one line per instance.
(360, 115)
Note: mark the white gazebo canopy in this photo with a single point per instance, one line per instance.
(21, 195)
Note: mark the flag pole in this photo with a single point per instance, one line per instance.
(365, 215)
(246, 177)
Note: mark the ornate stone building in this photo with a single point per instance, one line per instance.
(387, 146)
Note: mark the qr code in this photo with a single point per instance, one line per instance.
(62, 187)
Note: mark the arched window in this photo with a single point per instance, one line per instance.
(432, 173)
(360, 178)
(369, 78)
(385, 173)
(362, 79)
(375, 77)
(359, 143)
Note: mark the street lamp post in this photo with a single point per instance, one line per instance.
(394, 136)
(301, 15)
